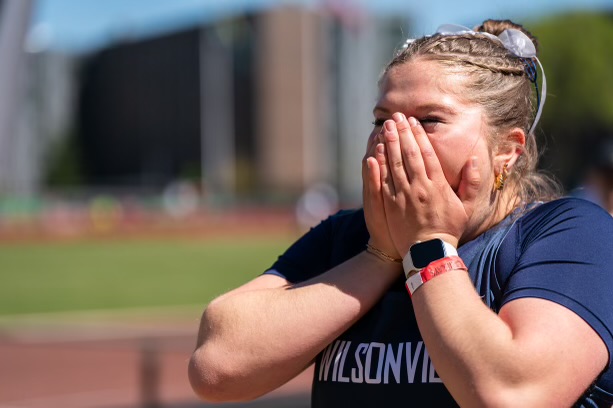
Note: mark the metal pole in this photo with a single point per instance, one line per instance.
(14, 25)
(217, 136)
(150, 374)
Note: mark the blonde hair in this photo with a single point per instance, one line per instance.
(497, 80)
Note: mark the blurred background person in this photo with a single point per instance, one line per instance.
(598, 184)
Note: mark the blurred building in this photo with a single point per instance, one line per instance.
(16, 143)
(254, 107)
(37, 102)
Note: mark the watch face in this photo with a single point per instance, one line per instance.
(422, 253)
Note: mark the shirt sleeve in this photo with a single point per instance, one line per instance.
(564, 254)
(334, 240)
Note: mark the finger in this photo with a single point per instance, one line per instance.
(370, 190)
(372, 142)
(370, 152)
(374, 211)
(386, 180)
(373, 181)
(411, 155)
(429, 158)
(471, 181)
(373, 207)
(372, 185)
(370, 148)
(395, 161)
(365, 180)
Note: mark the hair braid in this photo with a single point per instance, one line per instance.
(475, 50)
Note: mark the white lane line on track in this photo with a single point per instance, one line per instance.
(77, 400)
(101, 325)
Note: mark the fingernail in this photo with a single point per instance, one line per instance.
(398, 117)
(380, 148)
(474, 162)
(413, 121)
(389, 125)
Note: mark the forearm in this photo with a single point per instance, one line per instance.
(459, 332)
(255, 341)
(486, 359)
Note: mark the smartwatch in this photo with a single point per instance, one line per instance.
(421, 254)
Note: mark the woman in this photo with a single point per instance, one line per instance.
(449, 169)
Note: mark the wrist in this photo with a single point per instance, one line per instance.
(385, 246)
(384, 256)
(416, 279)
(380, 265)
(448, 238)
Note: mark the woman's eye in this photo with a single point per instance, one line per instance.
(429, 120)
(429, 123)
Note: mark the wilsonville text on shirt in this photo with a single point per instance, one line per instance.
(377, 363)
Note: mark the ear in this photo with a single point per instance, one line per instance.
(509, 149)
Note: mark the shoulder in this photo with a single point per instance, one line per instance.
(350, 219)
(567, 230)
(347, 229)
(345, 221)
(331, 242)
(566, 213)
(565, 204)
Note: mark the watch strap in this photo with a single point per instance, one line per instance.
(434, 269)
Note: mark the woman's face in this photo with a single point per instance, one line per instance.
(456, 128)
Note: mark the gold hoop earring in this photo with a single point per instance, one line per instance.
(501, 178)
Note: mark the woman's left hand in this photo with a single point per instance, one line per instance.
(419, 202)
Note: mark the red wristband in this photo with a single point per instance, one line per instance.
(434, 269)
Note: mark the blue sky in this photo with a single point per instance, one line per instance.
(83, 25)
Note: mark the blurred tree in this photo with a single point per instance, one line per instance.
(577, 53)
(64, 163)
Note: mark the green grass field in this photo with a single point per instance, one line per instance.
(52, 277)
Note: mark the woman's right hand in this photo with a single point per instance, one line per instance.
(374, 211)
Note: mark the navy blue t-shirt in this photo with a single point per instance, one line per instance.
(561, 251)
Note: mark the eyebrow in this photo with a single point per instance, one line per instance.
(422, 108)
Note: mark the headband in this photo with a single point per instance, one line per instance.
(516, 42)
